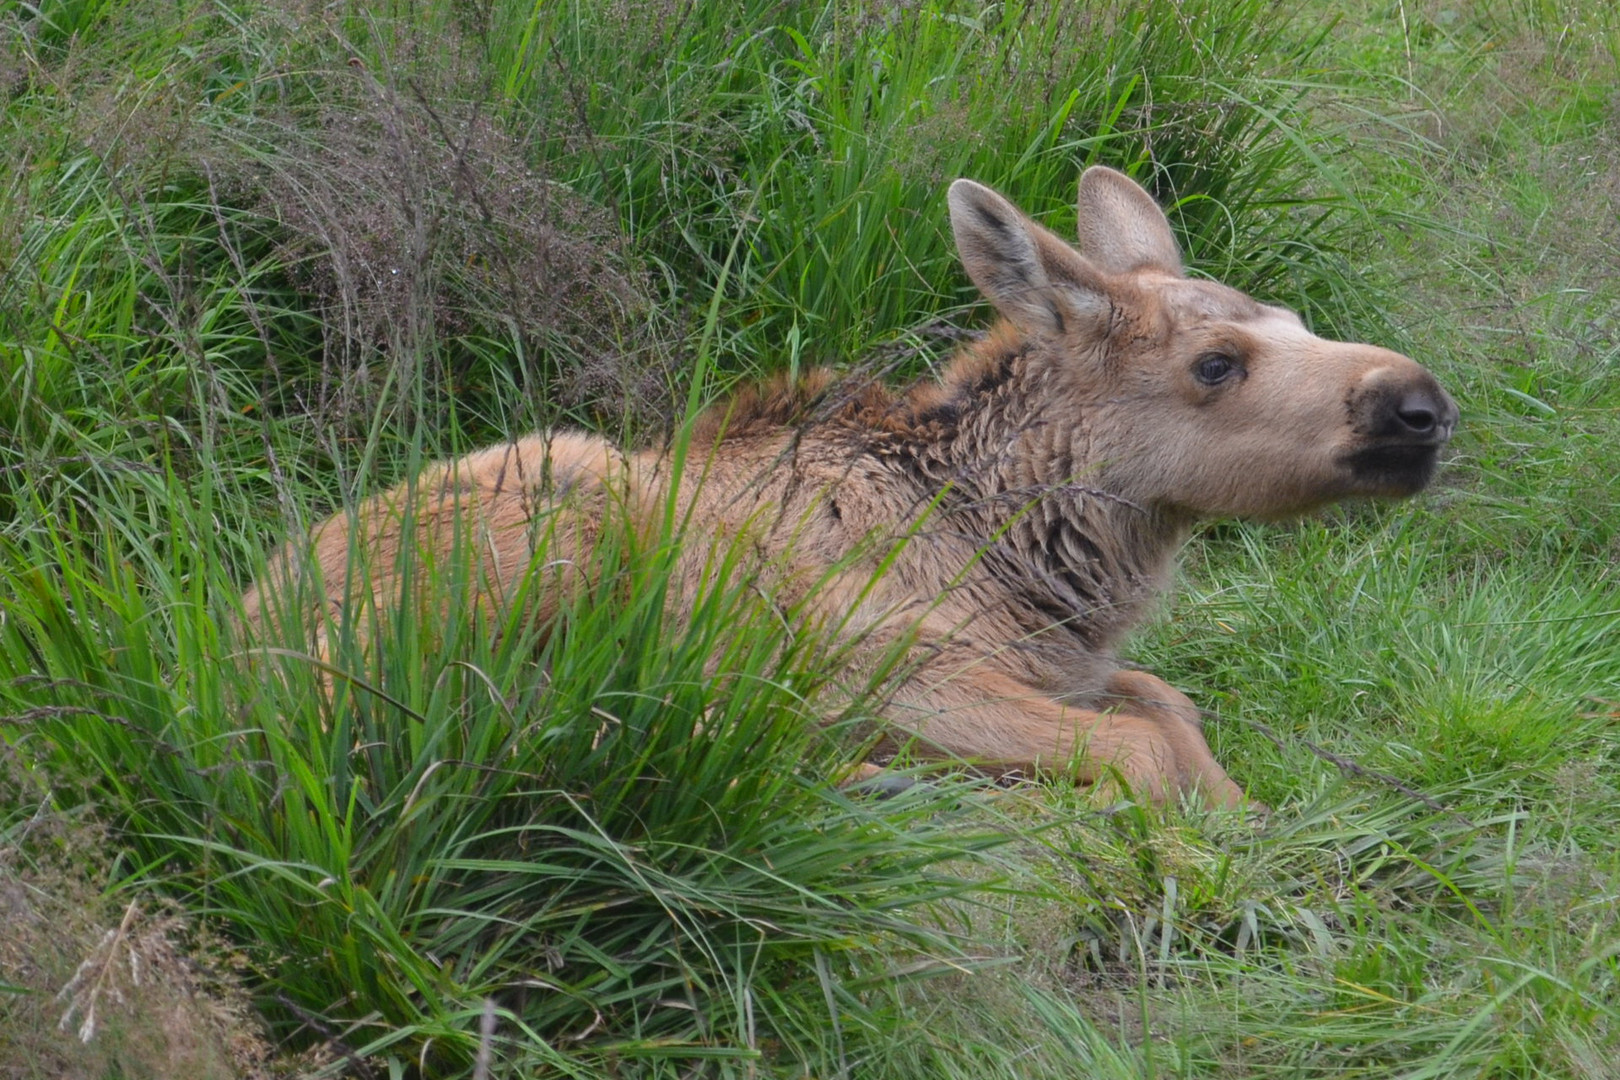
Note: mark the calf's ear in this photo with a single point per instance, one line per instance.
(1121, 228)
(1033, 278)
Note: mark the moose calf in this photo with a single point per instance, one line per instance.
(1029, 504)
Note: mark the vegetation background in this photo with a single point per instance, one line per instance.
(259, 258)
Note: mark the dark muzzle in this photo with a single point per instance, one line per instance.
(1401, 428)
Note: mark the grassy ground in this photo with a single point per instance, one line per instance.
(262, 259)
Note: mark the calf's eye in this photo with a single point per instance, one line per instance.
(1214, 368)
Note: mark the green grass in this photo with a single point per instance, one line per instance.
(261, 261)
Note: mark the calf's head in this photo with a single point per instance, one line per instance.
(1185, 394)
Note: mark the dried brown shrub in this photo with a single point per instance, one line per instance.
(409, 221)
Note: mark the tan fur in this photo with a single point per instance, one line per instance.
(1042, 488)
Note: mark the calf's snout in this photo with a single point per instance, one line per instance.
(1404, 407)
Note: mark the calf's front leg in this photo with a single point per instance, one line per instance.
(998, 723)
(1144, 694)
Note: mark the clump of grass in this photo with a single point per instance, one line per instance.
(601, 835)
(1362, 930)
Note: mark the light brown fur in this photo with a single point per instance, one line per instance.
(1030, 503)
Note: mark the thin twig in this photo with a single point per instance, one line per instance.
(1349, 767)
(349, 1056)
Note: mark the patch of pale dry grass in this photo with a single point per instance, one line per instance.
(98, 985)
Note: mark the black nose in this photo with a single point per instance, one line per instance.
(1424, 412)
(1419, 412)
